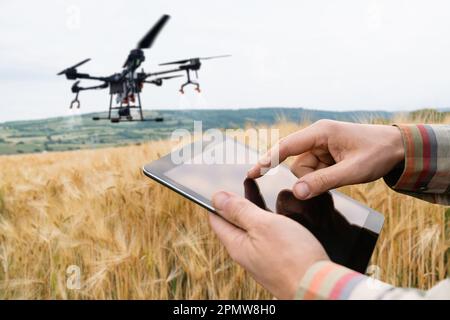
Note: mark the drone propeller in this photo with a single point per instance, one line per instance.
(175, 62)
(187, 60)
(215, 57)
(147, 41)
(74, 66)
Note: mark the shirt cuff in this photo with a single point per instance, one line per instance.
(326, 280)
(427, 159)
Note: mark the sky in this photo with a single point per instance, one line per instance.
(321, 54)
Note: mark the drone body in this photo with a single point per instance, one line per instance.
(127, 85)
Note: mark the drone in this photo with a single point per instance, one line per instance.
(127, 85)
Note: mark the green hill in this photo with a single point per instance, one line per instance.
(80, 132)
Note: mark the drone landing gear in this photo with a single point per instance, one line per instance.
(124, 113)
(189, 81)
(75, 102)
(131, 119)
(197, 87)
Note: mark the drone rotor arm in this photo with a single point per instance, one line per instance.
(159, 81)
(165, 78)
(163, 72)
(89, 77)
(76, 88)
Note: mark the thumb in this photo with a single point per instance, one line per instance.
(236, 210)
(322, 180)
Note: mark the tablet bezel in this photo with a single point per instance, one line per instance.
(157, 169)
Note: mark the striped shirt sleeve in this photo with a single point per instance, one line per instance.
(326, 280)
(330, 281)
(425, 172)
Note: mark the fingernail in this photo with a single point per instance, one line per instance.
(219, 199)
(302, 190)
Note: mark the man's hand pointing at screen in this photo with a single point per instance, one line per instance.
(331, 154)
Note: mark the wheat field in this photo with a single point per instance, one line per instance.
(134, 239)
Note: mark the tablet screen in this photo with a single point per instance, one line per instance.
(341, 224)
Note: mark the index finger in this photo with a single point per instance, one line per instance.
(294, 144)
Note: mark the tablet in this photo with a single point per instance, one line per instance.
(347, 229)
